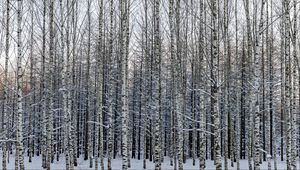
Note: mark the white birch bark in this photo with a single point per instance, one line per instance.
(88, 117)
(194, 65)
(110, 116)
(99, 117)
(127, 14)
(173, 72)
(174, 85)
(268, 117)
(49, 96)
(75, 116)
(288, 109)
(44, 91)
(19, 135)
(124, 58)
(215, 95)
(180, 96)
(249, 125)
(5, 90)
(228, 92)
(146, 84)
(294, 100)
(65, 88)
(202, 134)
(257, 58)
(32, 88)
(68, 86)
(157, 87)
(273, 141)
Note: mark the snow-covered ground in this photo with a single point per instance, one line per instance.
(135, 164)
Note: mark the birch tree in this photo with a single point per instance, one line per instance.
(74, 132)
(268, 118)
(288, 114)
(214, 86)
(66, 87)
(257, 74)
(227, 56)
(99, 117)
(273, 142)
(173, 74)
(293, 88)
(202, 126)
(19, 136)
(157, 86)
(43, 89)
(124, 57)
(5, 90)
(50, 88)
(146, 84)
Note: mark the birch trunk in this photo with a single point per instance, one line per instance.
(110, 117)
(288, 114)
(32, 87)
(127, 14)
(68, 88)
(44, 91)
(50, 88)
(88, 113)
(75, 116)
(214, 99)
(202, 134)
(173, 74)
(5, 90)
(273, 136)
(180, 149)
(19, 135)
(125, 115)
(268, 117)
(65, 83)
(146, 84)
(257, 58)
(157, 87)
(227, 136)
(239, 112)
(99, 117)
(294, 80)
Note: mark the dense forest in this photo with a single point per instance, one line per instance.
(168, 84)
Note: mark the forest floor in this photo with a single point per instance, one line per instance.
(135, 164)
